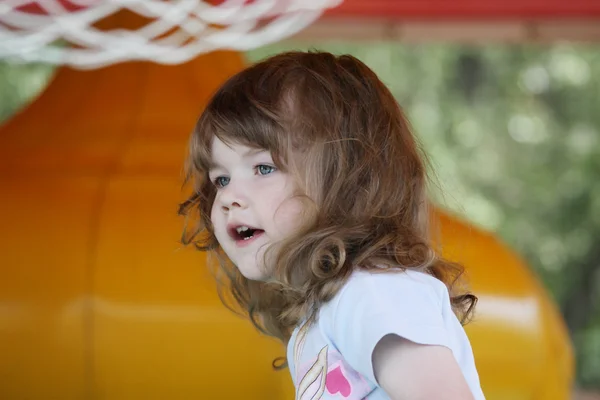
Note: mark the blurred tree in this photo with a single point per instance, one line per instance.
(19, 83)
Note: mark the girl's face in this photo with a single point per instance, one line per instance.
(253, 207)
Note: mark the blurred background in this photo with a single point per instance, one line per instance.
(509, 113)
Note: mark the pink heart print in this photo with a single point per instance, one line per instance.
(336, 382)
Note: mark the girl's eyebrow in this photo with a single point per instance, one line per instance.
(251, 152)
(212, 164)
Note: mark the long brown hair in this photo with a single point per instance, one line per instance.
(334, 126)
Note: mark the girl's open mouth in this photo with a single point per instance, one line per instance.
(244, 235)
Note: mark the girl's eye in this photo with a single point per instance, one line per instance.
(265, 169)
(221, 181)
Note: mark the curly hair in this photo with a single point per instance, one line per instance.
(330, 123)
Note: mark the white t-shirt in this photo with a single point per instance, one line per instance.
(331, 359)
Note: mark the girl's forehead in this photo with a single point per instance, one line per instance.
(223, 146)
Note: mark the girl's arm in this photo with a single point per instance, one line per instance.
(409, 371)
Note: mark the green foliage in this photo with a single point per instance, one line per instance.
(19, 83)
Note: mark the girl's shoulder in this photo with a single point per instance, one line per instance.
(375, 303)
(373, 299)
(378, 285)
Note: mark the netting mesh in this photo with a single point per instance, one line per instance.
(64, 31)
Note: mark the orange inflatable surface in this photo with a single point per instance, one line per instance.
(99, 301)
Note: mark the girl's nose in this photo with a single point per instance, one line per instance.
(232, 198)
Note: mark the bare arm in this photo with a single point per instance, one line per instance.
(409, 371)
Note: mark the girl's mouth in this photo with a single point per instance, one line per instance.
(243, 235)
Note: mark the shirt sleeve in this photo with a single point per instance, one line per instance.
(373, 305)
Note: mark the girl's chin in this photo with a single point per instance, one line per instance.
(252, 273)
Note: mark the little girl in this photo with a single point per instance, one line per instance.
(310, 190)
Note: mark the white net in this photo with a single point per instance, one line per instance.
(63, 31)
